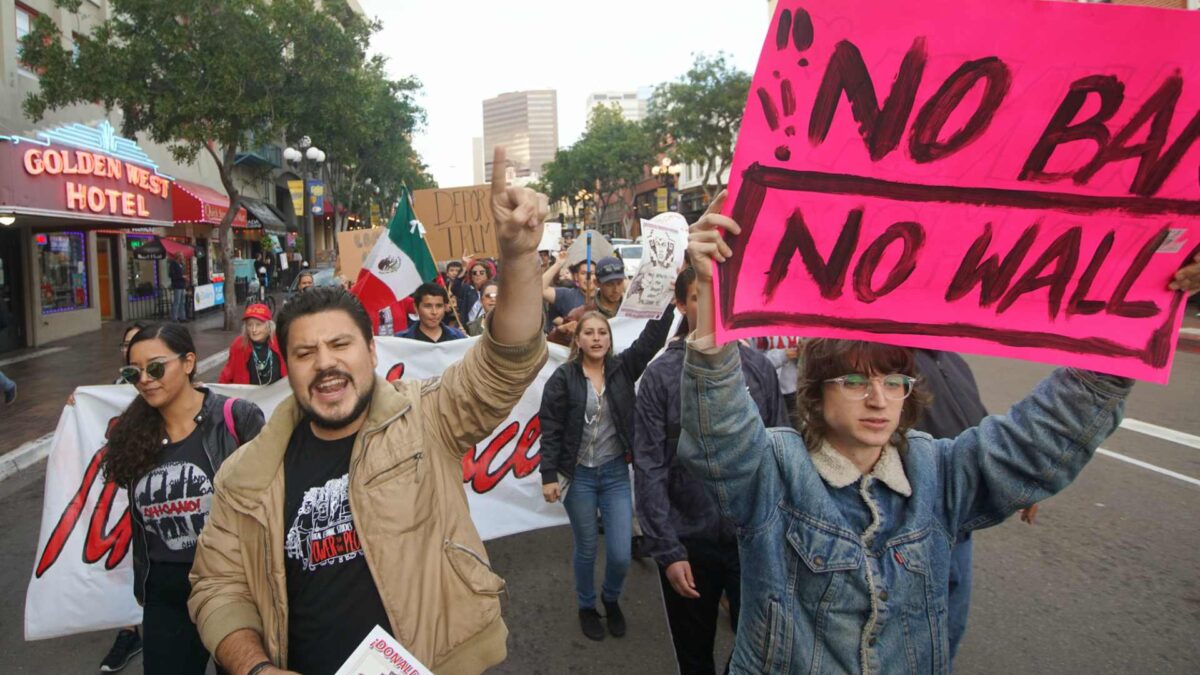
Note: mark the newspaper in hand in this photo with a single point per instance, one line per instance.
(664, 243)
(381, 654)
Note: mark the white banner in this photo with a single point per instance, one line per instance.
(83, 572)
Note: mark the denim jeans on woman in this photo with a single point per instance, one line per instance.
(178, 304)
(606, 488)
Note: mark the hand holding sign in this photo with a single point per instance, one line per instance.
(705, 245)
(1187, 279)
(519, 212)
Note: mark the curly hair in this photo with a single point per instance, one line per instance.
(135, 439)
(825, 359)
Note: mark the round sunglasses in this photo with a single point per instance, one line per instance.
(154, 370)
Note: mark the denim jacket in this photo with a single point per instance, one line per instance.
(854, 579)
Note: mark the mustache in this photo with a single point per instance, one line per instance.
(329, 374)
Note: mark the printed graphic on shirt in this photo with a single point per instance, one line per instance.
(323, 531)
(174, 500)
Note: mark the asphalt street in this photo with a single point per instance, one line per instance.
(1106, 581)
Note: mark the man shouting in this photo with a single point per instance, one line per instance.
(348, 509)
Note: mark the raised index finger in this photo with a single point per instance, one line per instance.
(499, 171)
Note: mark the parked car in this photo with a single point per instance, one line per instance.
(631, 255)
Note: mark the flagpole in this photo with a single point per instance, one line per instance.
(412, 207)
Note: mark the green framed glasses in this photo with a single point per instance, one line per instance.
(154, 370)
(856, 386)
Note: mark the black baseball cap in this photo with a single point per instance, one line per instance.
(610, 269)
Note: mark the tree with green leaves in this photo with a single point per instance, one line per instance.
(611, 158)
(696, 118)
(203, 76)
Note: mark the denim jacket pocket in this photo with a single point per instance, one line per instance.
(918, 567)
(823, 551)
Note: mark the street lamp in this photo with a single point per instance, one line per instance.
(7, 219)
(582, 197)
(667, 173)
(306, 154)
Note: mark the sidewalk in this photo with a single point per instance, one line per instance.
(1189, 333)
(51, 373)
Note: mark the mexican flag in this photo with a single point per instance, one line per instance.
(397, 264)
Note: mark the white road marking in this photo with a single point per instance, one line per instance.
(25, 456)
(32, 355)
(1164, 433)
(1148, 466)
(211, 362)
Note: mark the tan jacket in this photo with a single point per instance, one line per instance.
(410, 509)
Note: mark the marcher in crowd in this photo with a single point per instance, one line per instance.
(431, 313)
(254, 356)
(178, 288)
(956, 407)
(784, 355)
(479, 273)
(304, 281)
(606, 299)
(846, 530)
(381, 466)
(562, 299)
(164, 450)
(587, 442)
(488, 300)
(695, 548)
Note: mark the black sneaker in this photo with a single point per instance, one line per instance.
(589, 622)
(127, 645)
(616, 618)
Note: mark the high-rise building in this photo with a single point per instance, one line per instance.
(631, 104)
(526, 123)
(477, 160)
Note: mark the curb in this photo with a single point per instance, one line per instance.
(32, 452)
(25, 456)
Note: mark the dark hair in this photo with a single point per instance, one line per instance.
(430, 288)
(136, 436)
(491, 282)
(683, 283)
(305, 273)
(317, 300)
(454, 263)
(134, 326)
(824, 359)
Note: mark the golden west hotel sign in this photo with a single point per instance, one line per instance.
(83, 172)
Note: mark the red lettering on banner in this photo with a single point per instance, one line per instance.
(115, 542)
(476, 468)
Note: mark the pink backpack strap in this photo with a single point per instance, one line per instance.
(229, 425)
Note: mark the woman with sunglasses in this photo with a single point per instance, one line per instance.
(479, 275)
(254, 356)
(846, 529)
(164, 450)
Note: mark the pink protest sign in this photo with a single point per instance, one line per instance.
(1015, 179)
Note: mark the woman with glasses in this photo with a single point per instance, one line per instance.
(165, 450)
(254, 356)
(479, 274)
(846, 529)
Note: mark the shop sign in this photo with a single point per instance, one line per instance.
(316, 197)
(88, 172)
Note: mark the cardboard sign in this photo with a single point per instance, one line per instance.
(458, 221)
(1016, 180)
(353, 248)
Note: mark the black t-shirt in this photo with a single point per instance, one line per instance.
(263, 365)
(332, 599)
(174, 498)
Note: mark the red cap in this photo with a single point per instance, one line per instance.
(257, 311)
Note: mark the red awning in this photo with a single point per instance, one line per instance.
(194, 203)
(173, 247)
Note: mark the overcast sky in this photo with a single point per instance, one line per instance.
(465, 51)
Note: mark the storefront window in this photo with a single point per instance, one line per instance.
(143, 274)
(62, 257)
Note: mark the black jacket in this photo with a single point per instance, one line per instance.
(248, 420)
(564, 399)
(672, 504)
(956, 406)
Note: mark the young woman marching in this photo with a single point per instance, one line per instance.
(587, 433)
(165, 449)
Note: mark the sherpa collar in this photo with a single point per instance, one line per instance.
(839, 472)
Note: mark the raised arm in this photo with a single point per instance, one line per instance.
(1011, 461)
(478, 392)
(550, 275)
(723, 440)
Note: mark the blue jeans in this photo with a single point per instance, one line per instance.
(6, 385)
(178, 304)
(606, 488)
(959, 601)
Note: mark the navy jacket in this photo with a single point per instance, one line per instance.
(956, 406)
(672, 504)
(564, 399)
